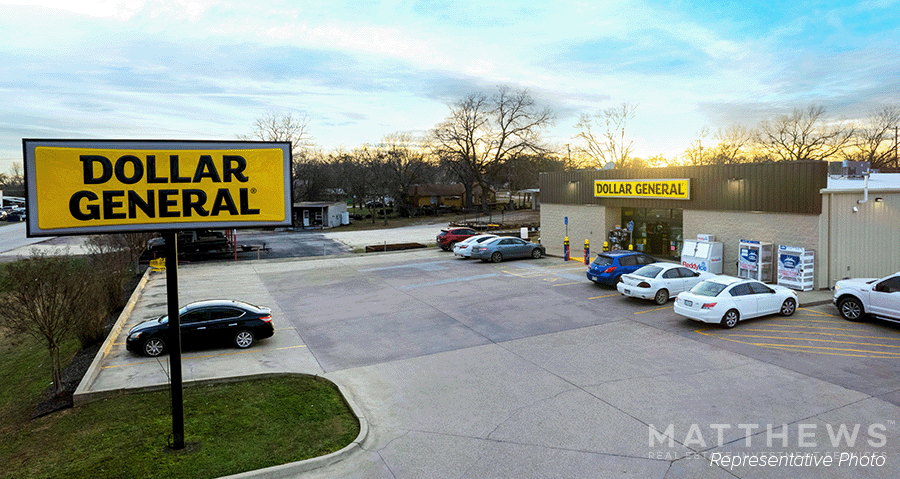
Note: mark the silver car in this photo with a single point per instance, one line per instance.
(501, 248)
(464, 247)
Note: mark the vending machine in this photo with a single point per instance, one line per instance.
(755, 260)
(702, 254)
(796, 267)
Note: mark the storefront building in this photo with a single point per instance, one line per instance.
(794, 205)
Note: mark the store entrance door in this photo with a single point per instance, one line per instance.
(658, 239)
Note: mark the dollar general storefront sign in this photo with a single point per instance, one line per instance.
(90, 187)
(677, 189)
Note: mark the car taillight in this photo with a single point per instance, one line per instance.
(708, 306)
(610, 269)
(643, 284)
(267, 318)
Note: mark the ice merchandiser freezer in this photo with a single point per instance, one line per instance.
(796, 267)
(755, 260)
(702, 254)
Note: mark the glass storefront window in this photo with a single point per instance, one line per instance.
(658, 232)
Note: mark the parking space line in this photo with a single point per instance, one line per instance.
(788, 347)
(606, 296)
(291, 347)
(803, 320)
(569, 284)
(652, 310)
(828, 334)
(811, 339)
(818, 327)
(830, 352)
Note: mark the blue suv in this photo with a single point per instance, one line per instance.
(608, 267)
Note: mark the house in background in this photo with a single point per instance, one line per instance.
(436, 195)
(315, 214)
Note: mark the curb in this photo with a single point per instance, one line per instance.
(81, 395)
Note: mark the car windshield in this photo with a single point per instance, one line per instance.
(601, 260)
(708, 288)
(165, 318)
(648, 271)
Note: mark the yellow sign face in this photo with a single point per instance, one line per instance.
(668, 189)
(179, 185)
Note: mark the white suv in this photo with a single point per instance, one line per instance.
(855, 298)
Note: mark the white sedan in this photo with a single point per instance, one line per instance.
(660, 281)
(727, 300)
(464, 247)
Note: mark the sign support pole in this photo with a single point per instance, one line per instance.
(171, 238)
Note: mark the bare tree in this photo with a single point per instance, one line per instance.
(312, 175)
(694, 154)
(351, 174)
(482, 132)
(875, 138)
(803, 135)
(274, 126)
(306, 163)
(733, 143)
(603, 135)
(405, 163)
(47, 296)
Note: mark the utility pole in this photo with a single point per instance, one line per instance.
(896, 163)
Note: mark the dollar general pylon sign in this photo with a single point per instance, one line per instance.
(76, 187)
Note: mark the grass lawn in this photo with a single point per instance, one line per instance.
(229, 428)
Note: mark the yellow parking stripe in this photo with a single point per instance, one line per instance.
(862, 351)
(773, 324)
(651, 310)
(808, 349)
(569, 284)
(829, 352)
(812, 332)
(606, 296)
(808, 339)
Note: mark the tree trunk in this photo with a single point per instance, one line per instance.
(55, 369)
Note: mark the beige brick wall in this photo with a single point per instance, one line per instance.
(586, 222)
(731, 227)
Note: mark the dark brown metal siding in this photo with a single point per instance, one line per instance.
(784, 187)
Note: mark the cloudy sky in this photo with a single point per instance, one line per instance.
(359, 70)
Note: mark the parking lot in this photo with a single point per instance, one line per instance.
(527, 369)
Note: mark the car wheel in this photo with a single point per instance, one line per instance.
(497, 257)
(451, 245)
(662, 296)
(536, 253)
(153, 347)
(851, 309)
(243, 339)
(617, 280)
(788, 307)
(731, 318)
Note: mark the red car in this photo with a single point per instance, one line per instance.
(448, 238)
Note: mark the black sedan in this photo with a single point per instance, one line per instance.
(204, 323)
